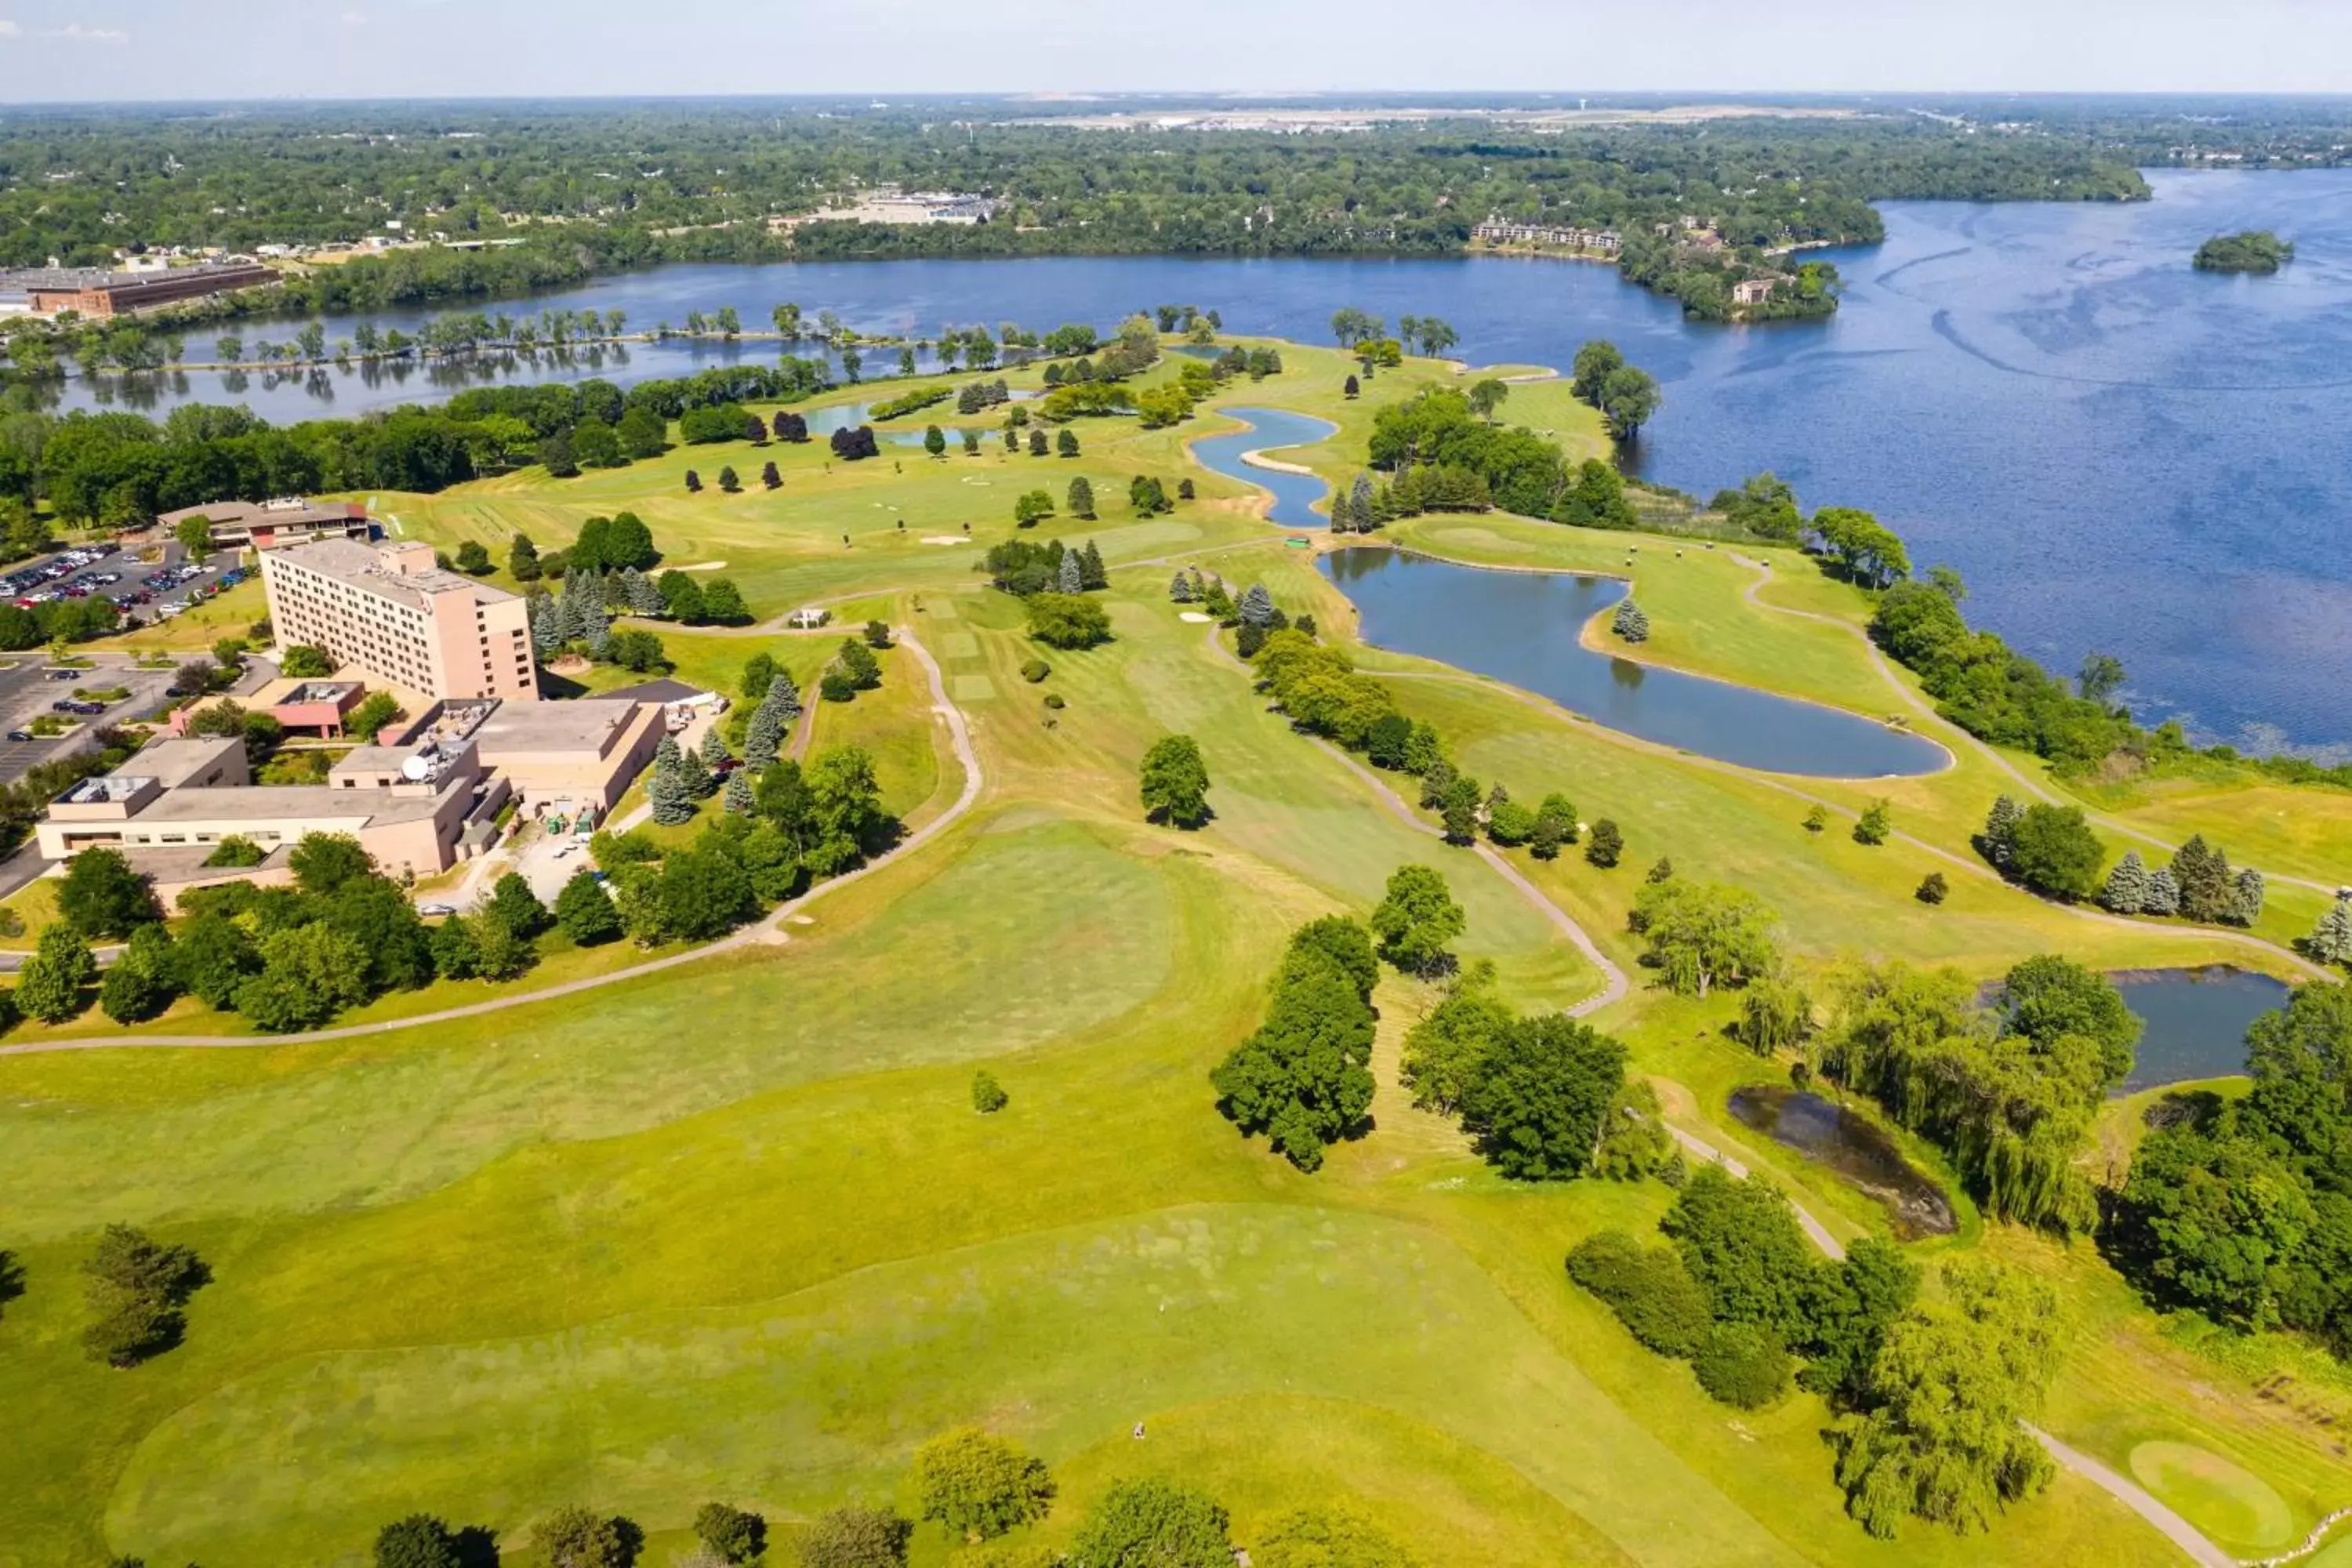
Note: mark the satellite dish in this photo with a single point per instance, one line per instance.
(418, 768)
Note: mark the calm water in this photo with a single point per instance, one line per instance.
(1524, 627)
(1855, 1148)
(2196, 1020)
(2120, 453)
(1294, 495)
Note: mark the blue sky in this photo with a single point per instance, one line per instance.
(146, 49)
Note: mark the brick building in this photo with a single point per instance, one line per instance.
(390, 612)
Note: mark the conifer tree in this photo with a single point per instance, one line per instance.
(1257, 606)
(2126, 889)
(1359, 503)
(2206, 884)
(1179, 589)
(784, 697)
(2163, 893)
(699, 776)
(738, 799)
(1081, 498)
(1632, 622)
(2245, 899)
(1072, 580)
(638, 589)
(671, 792)
(546, 625)
(714, 748)
(763, 737)
(1092, 572)
(2000, 831)
(2331, 939)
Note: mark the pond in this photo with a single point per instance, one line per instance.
(2196, 1018)
(1855, 1149)
(1294, 495)
(1524, 627)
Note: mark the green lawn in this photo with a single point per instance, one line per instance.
(734, 1229)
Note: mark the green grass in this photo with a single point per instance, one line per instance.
(734, 1230)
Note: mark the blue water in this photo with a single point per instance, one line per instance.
(2195, 1020)
(2120, 453)
(1524, 627)
(1294, 495)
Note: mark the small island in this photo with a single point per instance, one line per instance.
(2254, 250)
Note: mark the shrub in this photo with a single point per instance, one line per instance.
(988, 1095)
(1067, 620)
(1933, 889)
(1649, 1290)
(1035, 671)
(1742, 1364)
(1054, 701)
(1606, 847)
(855, 1538)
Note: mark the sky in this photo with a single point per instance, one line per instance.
(53, 51)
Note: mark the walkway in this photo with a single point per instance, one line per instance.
(768, 929)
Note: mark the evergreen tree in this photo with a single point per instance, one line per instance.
(522, 559)
(1359, 504)
(2000, 831)
(638, 589)
(699, 776)
(770, 477)
(1081, 498)
(2163, 893)
(671, 792)
(1179, 589)
(1092, 572)
(1632, 622)
(1257, 606)
(2206, 883)
(2331, 939)
(546, 625)
(739, 799)
(785, 696)
(2126, 889)
(2245, 899)
(714, 748)
(1072, 580)
(763, 738)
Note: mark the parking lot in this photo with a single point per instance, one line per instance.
(27, 691)
(147, 591)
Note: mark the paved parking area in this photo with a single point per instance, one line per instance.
(27, 580)
(26, 693)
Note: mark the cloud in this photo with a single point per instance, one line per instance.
(9, 29)
(75, 33)
(354, 18)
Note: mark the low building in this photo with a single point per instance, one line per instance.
(681, 704)
(273, 524)
(1598, 241)
(99, 294)
(417, 808)
(317, 707)
(1753, 290)
(808, 618)
(391, 611)
(564, 756)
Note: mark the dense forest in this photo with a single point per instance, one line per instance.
(605, 186)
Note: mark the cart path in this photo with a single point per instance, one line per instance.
(768, 929)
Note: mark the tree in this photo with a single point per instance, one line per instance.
(1628, 398)
(1415, 919)
(1593, 364)
(671, 792)
(304, 662)
(2053, 851)
(50, 984)
(1606, 846)
(733, 1534)
(1333, 1537)
(693, 483)
(856, 1537)
(576, 1537)
(1817, 819)
(514, 906)
(722, 603)
(420, 1541)
(2203, 875)
(2048, 998)
(307, 976)
(2103, 674)
(212, 957)
(1631, 622)
(1933, 888)
(1943, 1439)
(143, 980)
(935, 441)
(729, 481)
(2245, 899)
(1648, 1288)
(1874, 823)
(584, 912)
(1067, 620)
(1742, 1364)
(2126, 893)
(1997, 842)
(194, 535)
(2331, 939)
(524, 566)
(1444, 1045)
(556, 455)
(1775, 1016)
(1257, 608)
(1302, 1077)
(1175, 781)
(642, 432)
(101, 895)
(1537, 1096)
(1153, 1523)
(979, 1486)
(1699, 933)
(1487, 396)
(137, 1288)
(1092, 573)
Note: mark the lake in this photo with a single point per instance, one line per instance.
(2120, 453)
(1857, 1150)
(2195, 1020)
(1524, 627)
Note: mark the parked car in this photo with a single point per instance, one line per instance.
(20, 734)
(65, 675)
(436, 908)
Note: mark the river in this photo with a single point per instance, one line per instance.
(2119, 453)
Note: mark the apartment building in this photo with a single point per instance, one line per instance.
(389, 611)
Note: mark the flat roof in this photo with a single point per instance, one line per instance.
(581, 725)
(105, 788)
(662, 690)
(292, 510)
(367, 568)
(169, 762)
(303, 802)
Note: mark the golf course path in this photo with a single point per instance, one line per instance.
(767, 930)
(1966, 864)
(2025, 781)
(1612, 977)
(2122, 1489)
